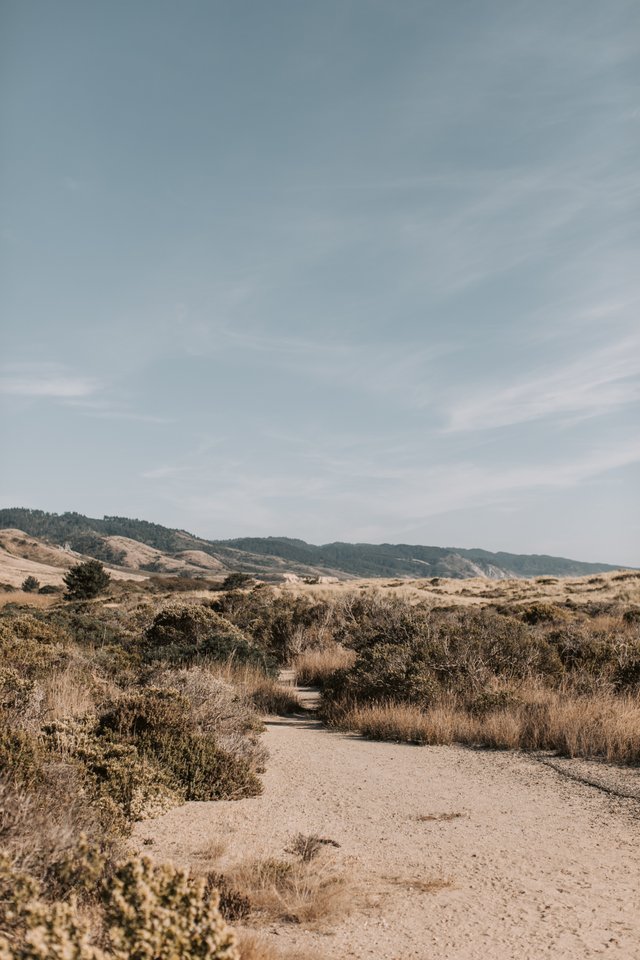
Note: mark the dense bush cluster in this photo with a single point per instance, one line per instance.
(95, 734)
(188, 632)
(537, 676)
(145, 911)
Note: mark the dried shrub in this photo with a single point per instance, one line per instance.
(308, 846)
(222, 703)
(147, 911)
(232, 904)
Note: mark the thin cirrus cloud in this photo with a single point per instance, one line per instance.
(597, 383)
(45, 381)
(50, 381)
(427, 492)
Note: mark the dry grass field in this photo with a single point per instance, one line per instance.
(619, 587)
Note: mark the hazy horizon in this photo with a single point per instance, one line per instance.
(360, 271)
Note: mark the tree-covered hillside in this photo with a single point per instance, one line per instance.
(275, 555)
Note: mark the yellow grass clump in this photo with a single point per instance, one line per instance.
(596, 726)
(294, 891)
(313, 667)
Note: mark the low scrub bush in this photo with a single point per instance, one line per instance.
(160, 725)
(32, 646)
(271, 697)
(22, 755)
(184, 633)
(128, 784)
(280, 624)
(146, 911)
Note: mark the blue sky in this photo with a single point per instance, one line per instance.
(359, 270)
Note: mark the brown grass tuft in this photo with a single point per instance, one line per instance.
(601, 725)
(312, 668)
(252, 946)
(296, 892)
(439, 817)
(403, 723)
(422, 885)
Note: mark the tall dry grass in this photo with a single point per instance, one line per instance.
(70, 692)
(268, 694)
(312, 668)
(295, 891)
(600, 726)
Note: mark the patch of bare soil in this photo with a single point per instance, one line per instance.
(455, 854)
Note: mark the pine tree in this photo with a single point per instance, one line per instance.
(86, 580)
(30, 585)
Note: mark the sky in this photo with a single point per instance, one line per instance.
(359, 270)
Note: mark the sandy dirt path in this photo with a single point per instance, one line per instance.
(542, 865)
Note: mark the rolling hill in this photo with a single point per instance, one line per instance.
(127, 544)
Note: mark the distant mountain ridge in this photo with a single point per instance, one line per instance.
(109, 539)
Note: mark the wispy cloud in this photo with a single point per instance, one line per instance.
(110, 408)
(356, 490)
(87, 395)
(592, 385)
(45, 380)
(164, 472)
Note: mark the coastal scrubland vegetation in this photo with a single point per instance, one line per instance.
(115, 709)
(110, 713)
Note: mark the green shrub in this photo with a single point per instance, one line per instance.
(415, 656)
(147, 714)
(15, 690)
(236, 581)
(280, 625)
(539, 612)
(128, 783)
(182, 633)
(31, 646)
(160, 724)
(21, 755)
(204, 770)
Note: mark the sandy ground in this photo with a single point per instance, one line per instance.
(542, 864)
